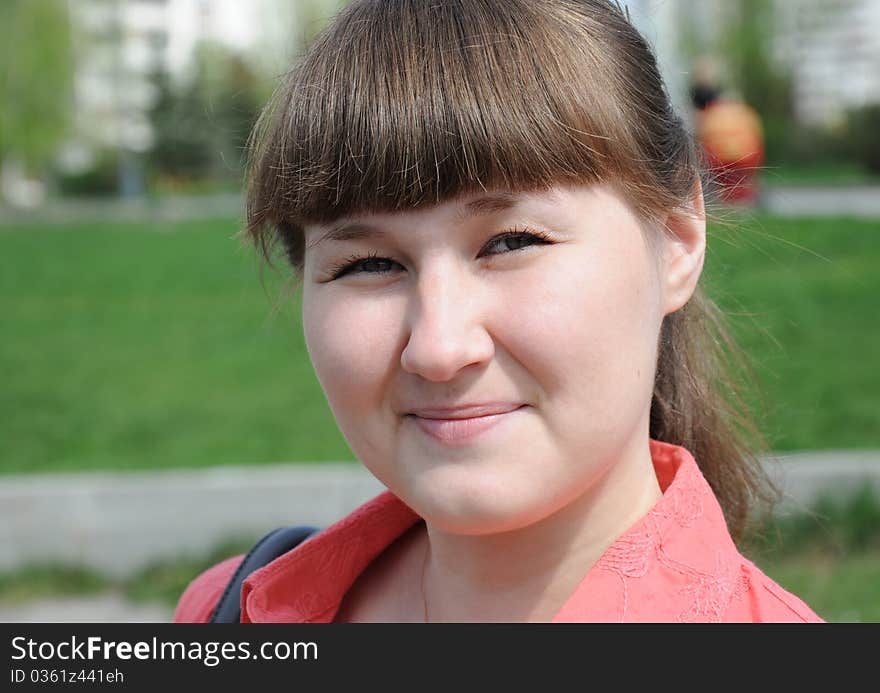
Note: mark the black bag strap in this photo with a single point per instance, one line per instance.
(274, 544)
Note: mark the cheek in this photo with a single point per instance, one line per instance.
(590, 327)
(351, 343)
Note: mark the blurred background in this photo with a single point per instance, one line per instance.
(157, 407)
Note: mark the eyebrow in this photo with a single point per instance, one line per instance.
(485, 205)
(489, 204)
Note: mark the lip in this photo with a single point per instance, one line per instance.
(462, 425)
(466, 411)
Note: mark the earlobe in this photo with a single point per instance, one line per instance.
(684, 252)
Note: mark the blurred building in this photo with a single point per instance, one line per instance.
(831, 48)
(121, 44)
(118, 44)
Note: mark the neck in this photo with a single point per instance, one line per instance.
(528, 574)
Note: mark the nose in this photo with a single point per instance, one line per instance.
(447, 325)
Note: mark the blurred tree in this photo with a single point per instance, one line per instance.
(182, 145)
(314, 15)
(863, 136)
(234, 97)
(36, 77)
(201, 126)
(762, 82)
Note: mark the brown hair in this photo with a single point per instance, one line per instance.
(404, 103)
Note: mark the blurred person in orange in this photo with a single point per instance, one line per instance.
(730, 134)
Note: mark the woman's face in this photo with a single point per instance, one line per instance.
(538, 311)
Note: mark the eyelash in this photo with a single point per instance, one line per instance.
(344, 267)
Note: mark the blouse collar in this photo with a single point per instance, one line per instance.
(677, 562)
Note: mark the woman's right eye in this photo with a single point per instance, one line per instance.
(357, 264)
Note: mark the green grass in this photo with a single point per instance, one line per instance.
(801, 297)
(126, 348)
(831, 174)
(163, 581)
(49, 580)
(828, 556)
(837, 588)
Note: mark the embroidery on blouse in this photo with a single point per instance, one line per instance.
(707, 594)
(710, 593)
(632, 553)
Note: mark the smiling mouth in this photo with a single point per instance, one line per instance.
(461, 430)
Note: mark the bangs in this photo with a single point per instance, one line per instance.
(413, 102)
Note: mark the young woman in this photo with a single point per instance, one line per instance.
(498, 224)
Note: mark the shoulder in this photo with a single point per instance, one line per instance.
(201, 595)
(770, 602)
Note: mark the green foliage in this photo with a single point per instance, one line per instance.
(183, 144)
(43, 580)
(763, 84)
(856, 139)
(100, 179)
(36, 76)
(314, 15)
(833, 526)
(201, 126)
(807, 145)
(165, 581)
(829, 556)
(863, 129)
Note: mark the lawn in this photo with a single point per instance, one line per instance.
(801, 297)
(838, 588)
(828, 556)
(128, 346)
(124, 347)
(828, 174)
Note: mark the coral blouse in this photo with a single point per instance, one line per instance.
(677, 563)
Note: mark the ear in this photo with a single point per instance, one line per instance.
(684, 249)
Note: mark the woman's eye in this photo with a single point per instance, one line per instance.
(515, 240)
(372, 264)
(503, 243)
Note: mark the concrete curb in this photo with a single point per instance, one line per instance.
(118, 523)
(102, 608)
(794, 201)
(805, 476)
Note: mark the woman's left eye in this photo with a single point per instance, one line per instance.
(516, 240)
(508, 241)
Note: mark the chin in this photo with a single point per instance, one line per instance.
(474, 511)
